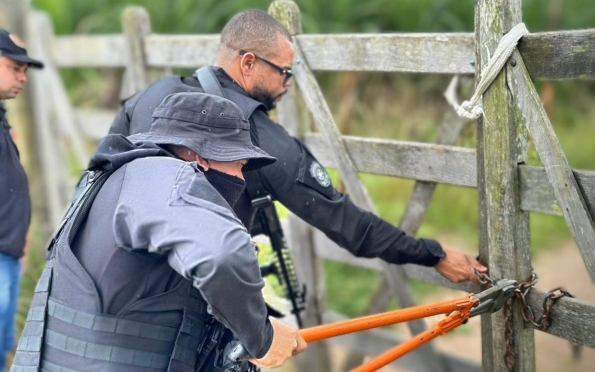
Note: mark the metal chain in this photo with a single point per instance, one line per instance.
(542, 322)
(508, 331)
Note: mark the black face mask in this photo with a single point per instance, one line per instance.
(230, 187)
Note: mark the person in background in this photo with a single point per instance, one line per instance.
(15, 205)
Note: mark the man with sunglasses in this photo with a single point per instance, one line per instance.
(15, 206)
(254, 69)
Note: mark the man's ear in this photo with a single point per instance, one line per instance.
(204, 163)
(247, 63)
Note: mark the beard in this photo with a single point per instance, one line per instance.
(260, 94)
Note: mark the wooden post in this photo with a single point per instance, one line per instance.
(309, 268)
(503, 227)
(52, 152)
(136, 25)
(568, 193)
(318, 107)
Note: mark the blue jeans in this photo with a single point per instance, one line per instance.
(10, 269)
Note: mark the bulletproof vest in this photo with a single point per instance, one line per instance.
(141, 117)
(63, 334)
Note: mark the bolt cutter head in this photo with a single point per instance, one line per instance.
(492, 299)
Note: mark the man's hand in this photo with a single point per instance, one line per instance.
(458, 267)
(286, 343)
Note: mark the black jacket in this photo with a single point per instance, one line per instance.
(15, 205)
(296, 180)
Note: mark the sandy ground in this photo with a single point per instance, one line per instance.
(562, 267)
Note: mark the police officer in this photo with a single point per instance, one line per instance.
(15, 206)
(152, 270)
(254, 70)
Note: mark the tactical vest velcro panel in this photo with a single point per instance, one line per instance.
(82, 341)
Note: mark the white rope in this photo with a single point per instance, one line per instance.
(471, 109)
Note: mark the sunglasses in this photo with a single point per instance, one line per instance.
(283, 71)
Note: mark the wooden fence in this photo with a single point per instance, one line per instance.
(508, 189)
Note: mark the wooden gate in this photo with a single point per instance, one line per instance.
(508, 188)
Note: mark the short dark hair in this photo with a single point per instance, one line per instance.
(255, 31)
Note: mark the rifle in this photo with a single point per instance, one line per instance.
(267, 222)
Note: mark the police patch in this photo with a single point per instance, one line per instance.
(319, 174)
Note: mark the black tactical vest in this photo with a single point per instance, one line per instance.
(149, 99)
(62, 335)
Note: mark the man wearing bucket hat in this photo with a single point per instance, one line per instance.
(151, 269)
(15, 207)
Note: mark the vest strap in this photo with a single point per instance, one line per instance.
(28, 355)
(188, 343)
(111, 324)
(209, 81)
(50, 367)
(105, 353)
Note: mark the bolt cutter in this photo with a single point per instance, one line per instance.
(457, 312)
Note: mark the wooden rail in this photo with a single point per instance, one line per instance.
(548, 55)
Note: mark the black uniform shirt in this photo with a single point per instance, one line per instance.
(15, 206)
(296, 180)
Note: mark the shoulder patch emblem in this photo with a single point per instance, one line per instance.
(319, 174)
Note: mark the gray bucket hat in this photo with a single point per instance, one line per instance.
(211, 126)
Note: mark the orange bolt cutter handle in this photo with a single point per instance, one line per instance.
(379, 320)
(458, 311)
(451, 322)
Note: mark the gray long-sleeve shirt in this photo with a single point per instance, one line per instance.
(164, 214)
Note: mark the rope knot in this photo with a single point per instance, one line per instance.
(471, 109)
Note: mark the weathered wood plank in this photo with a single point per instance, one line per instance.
(137, 26)
(359, 52)
(448, 53)
(309, 268)
(47, 134)
(559, 55)
(330, 133)
(548, 55)
(419, 161)
(556, 165)
(572, 319)
(376, 341)
(537, 194)
(89, 51)
(458, 167)
(187, 51)
(504, 228)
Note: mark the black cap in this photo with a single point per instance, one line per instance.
(211, 126)
(10, 49)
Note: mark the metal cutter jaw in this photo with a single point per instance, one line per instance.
(493, 299)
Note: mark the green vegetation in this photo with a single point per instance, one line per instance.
(394, 106)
